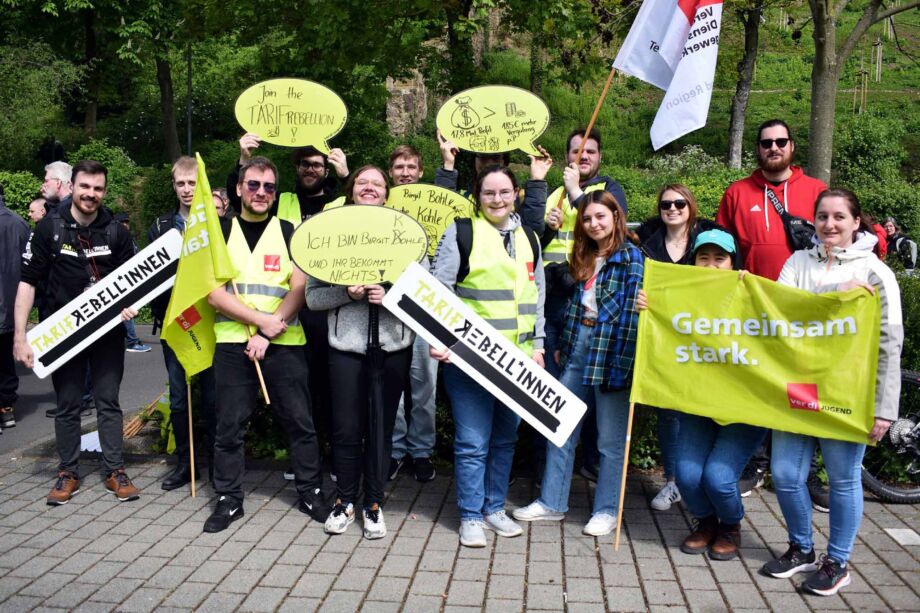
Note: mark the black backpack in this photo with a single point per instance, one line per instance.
(465, 245)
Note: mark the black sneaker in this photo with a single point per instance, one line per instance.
(790, 563)
(227, 511)
(828, 579)
(820, 495)
(314, 505)
(424, 470)
(7, 417)
(288, 474)
(751, 479)
(52, 412)
(395, 467)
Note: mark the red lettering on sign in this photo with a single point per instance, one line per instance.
(188, 318)
(272, 263)
(803, 396)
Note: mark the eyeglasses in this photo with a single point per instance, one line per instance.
(505, 194)
(308, 165)
(665, 205)
(767, 143)
(253, 186)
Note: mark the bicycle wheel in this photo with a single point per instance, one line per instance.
(891, 469)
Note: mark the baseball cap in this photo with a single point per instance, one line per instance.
(719, 238)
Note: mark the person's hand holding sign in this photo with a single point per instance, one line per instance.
(22, 351)
(449, 151)
(554, 219)
(256, 347)
(356, 292)
(539, 357)
(540, 165)
(879, 429)
(339, 162)
(853, 284)
(249, 143)
(128, 314)
(570, 178)
(375, 293)
(272, 326)
(441, 355)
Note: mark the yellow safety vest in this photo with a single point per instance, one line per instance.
(340, 201)
(561, 247)
(289, 208)
(499, 289)
(263, 282)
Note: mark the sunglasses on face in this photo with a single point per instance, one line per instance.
(767, 143)
(253, 187)
(665, 205)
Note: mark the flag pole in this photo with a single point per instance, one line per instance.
(616, 544)
(597, 110)
(191, 437)
(256, 362)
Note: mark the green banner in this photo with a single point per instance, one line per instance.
(756, 352)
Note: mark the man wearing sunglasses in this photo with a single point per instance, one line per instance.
(260, 324)
(747, 210)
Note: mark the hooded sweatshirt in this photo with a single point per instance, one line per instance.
(746, 211)
(812, 270)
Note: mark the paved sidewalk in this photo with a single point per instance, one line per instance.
(96, 554)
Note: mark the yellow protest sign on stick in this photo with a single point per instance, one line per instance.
(432, 206)
(494, 119)
(292, 113)
(358, 244)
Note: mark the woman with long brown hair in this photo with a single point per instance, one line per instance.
(597, 351)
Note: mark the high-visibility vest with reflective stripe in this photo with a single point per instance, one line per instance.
(340, 201)
(499, 289)
(263, 282)
(561, 247)
(289, 208)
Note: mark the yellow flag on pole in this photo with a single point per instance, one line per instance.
(204, 266)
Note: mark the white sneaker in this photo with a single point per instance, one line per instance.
(536, 511)
(341, 517)
(666, 496)
(471, 533)
(502, 525)
(600, 524)
(374, 526)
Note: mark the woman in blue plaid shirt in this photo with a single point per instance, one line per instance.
(597, 351)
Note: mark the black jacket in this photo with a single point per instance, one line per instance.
(652, 233)
(14, 235)
(60, 263)
(161, 225)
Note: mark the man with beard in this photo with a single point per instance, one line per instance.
(70, 253)
(747, 211)
(57, 187)
(261, 323)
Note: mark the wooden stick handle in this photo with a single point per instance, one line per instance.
(629, 421)
(256, 362)
(191, 436)
(597, 110)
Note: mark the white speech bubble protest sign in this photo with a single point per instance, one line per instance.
(433, 311)
(76, 325)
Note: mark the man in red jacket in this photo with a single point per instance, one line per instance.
(746, 209)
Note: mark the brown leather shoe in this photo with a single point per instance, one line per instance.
(728, 539)
(66, 486)
(119, 484)
(704, 532)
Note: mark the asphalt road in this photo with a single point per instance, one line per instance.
(144, 380)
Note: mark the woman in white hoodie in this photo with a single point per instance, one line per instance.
(841, 259)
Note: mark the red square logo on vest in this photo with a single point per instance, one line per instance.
(530, 271)
(188, 318)
(272, 263)
(803, 396)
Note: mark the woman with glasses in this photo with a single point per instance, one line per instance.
(597, 350)
(353, 449)
(493, 264)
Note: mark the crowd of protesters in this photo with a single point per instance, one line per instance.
(558, 275)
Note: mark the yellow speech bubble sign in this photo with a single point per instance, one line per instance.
(494, 119)
(435, 208)
(358, 244)
(292, 113)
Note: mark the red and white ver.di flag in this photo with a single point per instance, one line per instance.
(673, 45)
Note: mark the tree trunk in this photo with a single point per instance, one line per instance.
(167, 106)
(751, 20)
(824, 77)
(536, 65)
(94, 78)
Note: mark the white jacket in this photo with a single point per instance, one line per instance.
(809, 270)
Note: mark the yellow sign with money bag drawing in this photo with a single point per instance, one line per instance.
(435, 208)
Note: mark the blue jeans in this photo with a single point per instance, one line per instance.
(485, 434)
(131, 333)
(710, 459)
(789, 464)
(668, 429)
(418, 436)
(178, 405)
(611, 414)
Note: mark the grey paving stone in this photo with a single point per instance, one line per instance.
(505, 587)
(466, 593)
(299, 605)
(313, 585)
(389, 589)
(143, 599)
(327, 563)
(170, 576)
(430, 583)
(116, 590)
(240, 581)
(705, 601)
(212, 571)
(663, 592)
(355, 579)
(300, 555)
(437, 560)
(422, 604)
(143, 567)
(545, 572)
(546, 597)
(35, 567)
(398, 566)
(188, 595)
(620, 575)
(471, 570)
(282, 575)
(625, 599)
(583, 590)
(46, 585)
(259, 559)
(263, 599)
(221, 602)
(901, 597)
(341, 602)
(743, 595)
(18, 604)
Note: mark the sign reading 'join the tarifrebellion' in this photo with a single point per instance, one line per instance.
(494, 119)
(292, 113)
(425, 305)
(358, 244)
(432, 206)
(75, 326)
